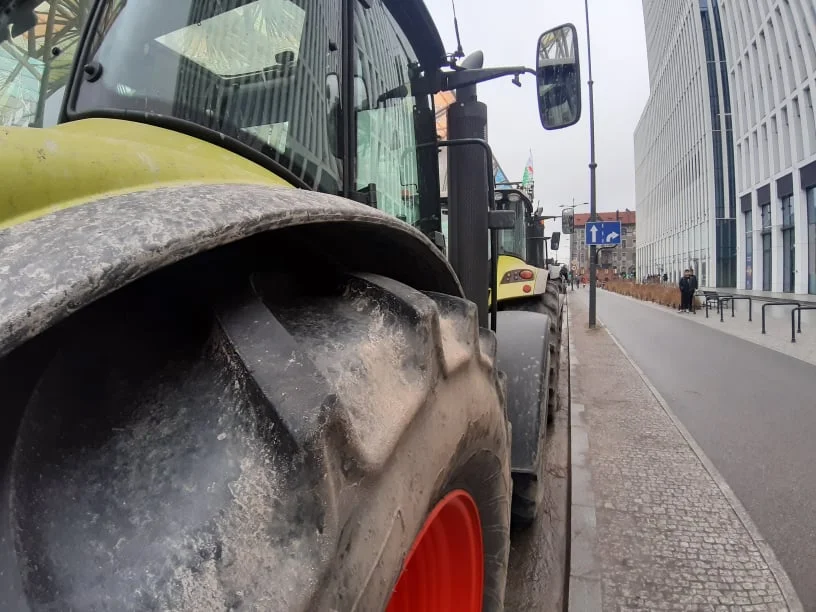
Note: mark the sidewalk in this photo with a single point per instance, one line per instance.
(777, 323)
(769, 295)
(654, 526)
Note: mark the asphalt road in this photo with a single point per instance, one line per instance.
(751, 409)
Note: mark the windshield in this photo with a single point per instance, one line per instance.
(257, 71)
(514, 241)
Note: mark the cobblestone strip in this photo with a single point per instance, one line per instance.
(585, 577)
(669, 533)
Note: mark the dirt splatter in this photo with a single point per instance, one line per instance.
(379, 380)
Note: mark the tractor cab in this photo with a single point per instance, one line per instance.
(523, 259)
(524, 263)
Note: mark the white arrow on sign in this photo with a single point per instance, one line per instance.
(594, 231)
(611, 236)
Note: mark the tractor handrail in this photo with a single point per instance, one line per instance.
(491, 194)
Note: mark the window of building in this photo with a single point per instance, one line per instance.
(811, 219)
(766, 216)
(767, 270)
(788, 246)
(749, 251)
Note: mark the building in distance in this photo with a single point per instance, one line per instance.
(619, 261)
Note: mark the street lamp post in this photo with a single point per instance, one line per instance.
(593, 250)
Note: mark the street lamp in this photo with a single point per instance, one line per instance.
(593, 208)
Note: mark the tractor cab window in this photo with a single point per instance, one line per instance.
(387, 157)
(35, 63)
(513, 241)
(263, 72)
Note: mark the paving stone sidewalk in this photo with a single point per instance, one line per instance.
(654, 527)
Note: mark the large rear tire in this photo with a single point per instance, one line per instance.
(551, 304)
(273, 449)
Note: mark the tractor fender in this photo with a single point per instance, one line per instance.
(54, 265)
(523, 349)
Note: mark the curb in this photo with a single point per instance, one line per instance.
(585, 593)
(782, 579)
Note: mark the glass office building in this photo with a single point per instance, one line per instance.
(684, 153)
(771, 48)
(726, 147)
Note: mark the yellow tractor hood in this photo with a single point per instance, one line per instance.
(53, 168)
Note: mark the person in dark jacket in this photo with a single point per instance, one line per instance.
(685, 285)
(693, 285)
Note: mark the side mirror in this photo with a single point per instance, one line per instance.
(568, 221)
(555, 241)
(558, 75)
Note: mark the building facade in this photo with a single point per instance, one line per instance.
(726, 146)
(771, 49)
(684, 154)
(618, 261)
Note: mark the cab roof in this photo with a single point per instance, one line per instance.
(415, 19)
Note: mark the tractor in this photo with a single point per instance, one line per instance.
(529, 279)
(240, 366)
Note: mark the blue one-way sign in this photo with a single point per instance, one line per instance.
(603, 232)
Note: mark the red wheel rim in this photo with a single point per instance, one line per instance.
(445, 568)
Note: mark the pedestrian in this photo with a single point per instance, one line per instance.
(685, 285)
(693, 284)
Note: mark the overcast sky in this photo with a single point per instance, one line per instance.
(507, 32)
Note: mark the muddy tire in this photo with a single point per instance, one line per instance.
(551, 304)
(528, 489)
(526, 500)
(269, 448)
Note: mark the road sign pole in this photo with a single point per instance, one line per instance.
(593, 250)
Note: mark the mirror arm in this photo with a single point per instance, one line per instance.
(437, 81)
(465, 78)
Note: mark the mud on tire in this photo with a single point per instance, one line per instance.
(551, 304)
(268, 449)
